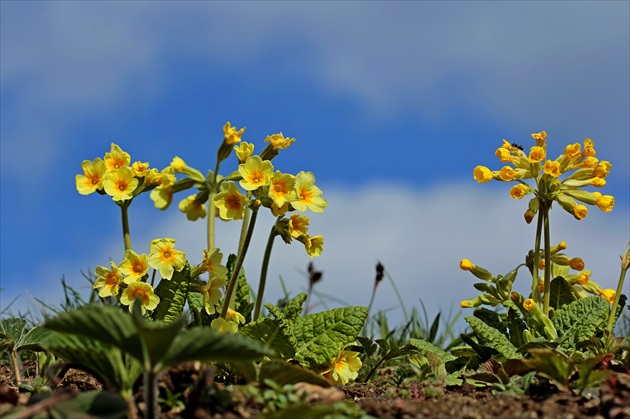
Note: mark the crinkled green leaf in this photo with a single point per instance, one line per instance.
(493, 338)
(320, 337)
(283, 373)
(560, 293)
(15, 334)
(491, 318)
(294, 307)
(425, 347)
(578, 321)
(274, 333)
(517, 326)
(173, 294)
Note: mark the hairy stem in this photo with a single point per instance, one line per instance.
(613, 309)
(125, 225)
(547, 286)
(263, 272)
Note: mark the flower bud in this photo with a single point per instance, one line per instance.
(479, 272)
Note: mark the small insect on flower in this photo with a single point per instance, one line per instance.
(520, 147)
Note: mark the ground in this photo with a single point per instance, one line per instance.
(611, 401)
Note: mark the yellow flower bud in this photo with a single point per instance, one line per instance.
(580, 211)
(576, 264)
(465, 304)
(608, 294)
(536, 154)
(602, 169)
(504, 154)
(529, 304)
(605, 202)
(482, 174)
(573, 151)
(583, 278)
(519, 191)
(590, 162)
(466, 265)
(541, 286)
(598, 182)
(529, 216)
(540, 138)
(507, 174)
(589, 147)
(244, 151)
(552, 168)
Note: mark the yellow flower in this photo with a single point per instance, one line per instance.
(92, 177)
(193, 209)
(211, 293)
(466, 265)
(580, 211)
(212, 263)
(529, 304)
(598, 182)
(306, 195)
(298, 225)
(278, 142)
(608, 294)
(230, 202)
(589, 148)
(234, 317)
(573, 151)
(314, 245)
(134, 267)
(140, 169)
(107, 280)
(345, 368)
(583, 278)
(540, 138)
(602, 169)
(162, 196)
(590, 162)
(142, 291)
(116, 158)
(179, 166)
(224, 326)
(518, 191)
(165, 258)
(504, 154)
(576, 264)
(536, 154)
(232, 136)
(552, 168)
(529, 216)
(482, 174)
(256, 172)
(507, 174)
(465, 304)
(604, 202)
(279, 211)
(244, 151)
(120, 184)
(281, 187)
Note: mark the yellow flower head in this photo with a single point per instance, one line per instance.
(540, 138)
(306, 195)
(116, 158)
(165, 258)
(212, 263)
(504, 154)
(92, 177)
(598, 182)
(230, 202)
(602, 169)
(193, 209)
(224, 326)
(256, 172)
(211, 293)
(536, 154)
(604, 202)
(314, 245)
(281, 187)
(482, 174)
(231, 135)
(583, 278)
(507, 174)
(589, 148)
(552, 168)
(590, 162)
(140, 169)
(244, 151)
(608, 294)
(134, 267)
(120, 184)
(573, 151)
(278, 142)
(466, 265)
(298, 225)
(234, 316)
(162, 196)
(519, 191)
(580, 211)
(345, 368)
(529, 304)
(143, 292)
(108, 280)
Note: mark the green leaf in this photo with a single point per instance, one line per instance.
(242, 301)
(274, 333)
(320, 337)
(16, 335)
(283, 373)
(173, 294)
(517, 326)
(157, 337)
(491, 318)
(560, 293)
(294, 308)
(552, 365)
(493, 338)
(425, 347)
(98, 404)
(578, 321)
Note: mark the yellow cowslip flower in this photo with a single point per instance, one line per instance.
(108, 280)
(465, 304)
(116, 158)
(278, 142)
(507, 173)
(344, 368)
(279, 211)
(212, 263)
(482, 174)
(519, 191)
(580, 211)
(583, 278)
(598, 182)
(230, 202)
(280, 187)
(540, 138)
(552, 168)
(134, 267)
(165, 258)
(298, 225)
(466, 265)
(244, 151)
(504, 153)
(92, 177)
(314, 245)
(231, 135)
(602, 169)
(234, 317)
(306, 195)
(193, 209)
(162, 196)
(142, 291)
(536, 154)
(590, 162)
(211, 293)
(152, 177)
(589, 148)
(604, 202)
(573, 151)
(256, 172)
(529, 304)
(577, 264)
(120, 184)
(179, 166)
(224, 326)
(608, 294)
(140, 169)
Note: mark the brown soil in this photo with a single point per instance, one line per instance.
(612, 401)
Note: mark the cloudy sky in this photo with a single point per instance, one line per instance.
(392, 105)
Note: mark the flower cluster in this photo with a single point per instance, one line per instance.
(559, 180)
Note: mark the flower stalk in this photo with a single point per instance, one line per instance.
(124, 207)
(625, 265)
(263, 272)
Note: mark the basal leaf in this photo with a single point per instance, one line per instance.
(242, 302)
(560, 293)
(295, 307)
(274, 333)
(320, 337)
(172, 295)
(33, 339)
(11, 331)
(283, 373)
(425, 347)
(578, 321)
(517, 326)
(493, 338)
(491, 318)
(157, 337)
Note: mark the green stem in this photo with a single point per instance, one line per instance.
(244, 225)
(16, 368)
(125, 224)
(400, 300)
(536, 262)
(547, 286)
(239, 263)
(263, 272)
(152, 408)
(212, 206)
(613, 309)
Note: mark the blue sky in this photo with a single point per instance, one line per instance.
(392, 105)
